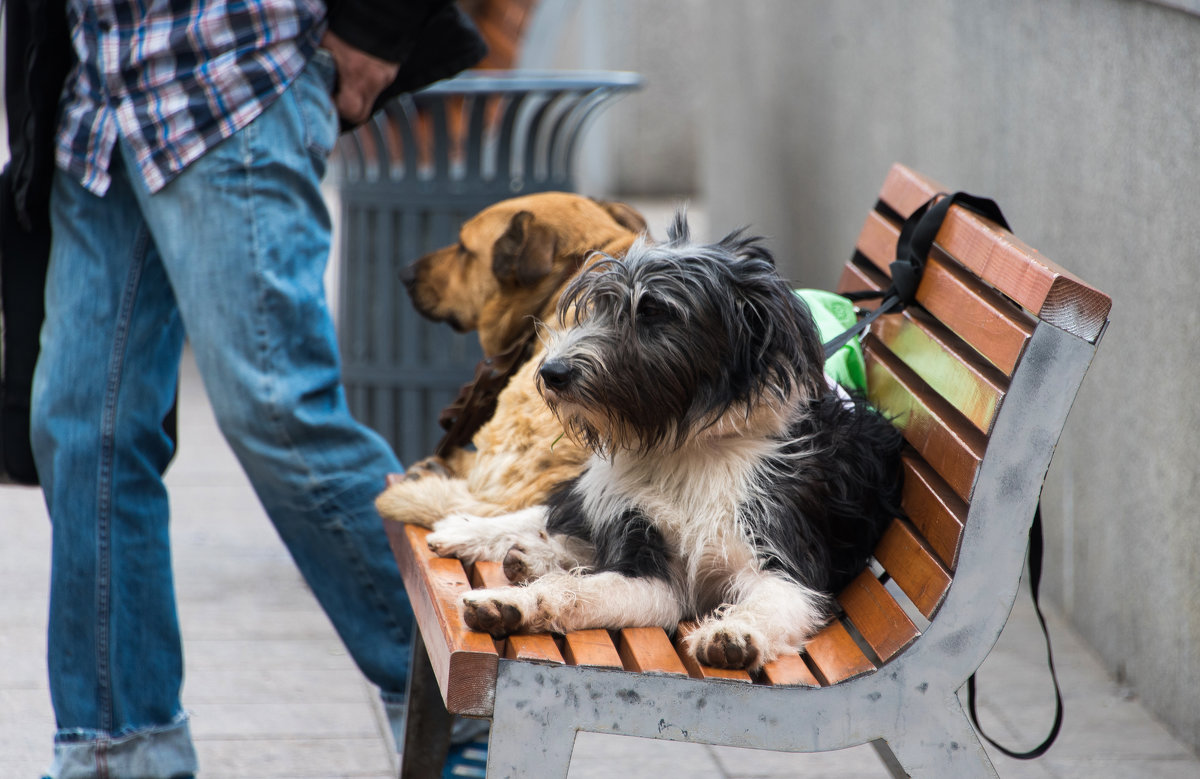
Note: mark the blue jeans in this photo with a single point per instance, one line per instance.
(230, 255)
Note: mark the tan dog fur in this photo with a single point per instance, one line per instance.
(503, 278)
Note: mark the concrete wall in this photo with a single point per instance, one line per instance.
(648, 143)
(1081, 118)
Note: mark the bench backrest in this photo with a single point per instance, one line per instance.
(943, 370)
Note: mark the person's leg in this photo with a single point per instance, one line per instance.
(244, 235)
(105, 380)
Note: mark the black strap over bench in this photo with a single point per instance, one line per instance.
(912, 251)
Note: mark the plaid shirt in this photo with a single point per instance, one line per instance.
(172, 78)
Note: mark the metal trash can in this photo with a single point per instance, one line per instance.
(404, 183)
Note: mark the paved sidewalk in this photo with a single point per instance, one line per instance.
(273, 694)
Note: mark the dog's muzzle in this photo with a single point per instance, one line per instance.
(408, 276)
(556, 374)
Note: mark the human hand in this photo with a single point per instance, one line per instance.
(361, 77)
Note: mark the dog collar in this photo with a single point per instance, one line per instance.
(476, 400)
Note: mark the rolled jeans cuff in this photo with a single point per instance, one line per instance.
(161, 752)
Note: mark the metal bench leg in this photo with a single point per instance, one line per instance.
(427, 727)
(530, 736)
(936, 742)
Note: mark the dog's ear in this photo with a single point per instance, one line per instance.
(524, 255)
(623, 215)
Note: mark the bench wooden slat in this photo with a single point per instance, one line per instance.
(952, 368)
(955, 372)
(993, 326)
(936, 430)
(465, 662)
(591, 648)
(835, 656)
(537, 648)
(698, 670)
(789, 671)
(534, 647)
(649, 650)
(880, 620)
(488, 574)
(913, 567)
(934, 509)
(1049, 291)
(861, 275)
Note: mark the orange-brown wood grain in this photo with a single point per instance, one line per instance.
(593, 648)
(948, 366)
(835, 656)
(1041, 286)
(934, 509)
(488, 574)
(880, 620)
(857, 278)
(534, 647)
(993, 326)
(789, 671)
(464, 662)
(649, 650)
(877, 242)
(913, 567)
(936, 430)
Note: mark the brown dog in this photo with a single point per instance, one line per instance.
(503, 278)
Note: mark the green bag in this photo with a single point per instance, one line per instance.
(833, 315)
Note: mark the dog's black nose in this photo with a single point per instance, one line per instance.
(556, 374)
(408, 275)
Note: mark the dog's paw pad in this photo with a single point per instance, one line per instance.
(491, 615)
(517, 566)
(724, 649)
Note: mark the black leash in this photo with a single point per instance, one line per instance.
(912, 252)
(1036, 551)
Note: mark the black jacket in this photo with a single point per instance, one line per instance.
(37, 58)
(431, 39)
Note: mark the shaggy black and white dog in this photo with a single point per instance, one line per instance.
(729, 483)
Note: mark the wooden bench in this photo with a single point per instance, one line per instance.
(980, 376)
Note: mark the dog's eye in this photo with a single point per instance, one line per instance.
(652, 312)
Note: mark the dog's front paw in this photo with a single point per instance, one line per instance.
(723, 646)
(458, 536)
(518, 566)
(490, 612)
